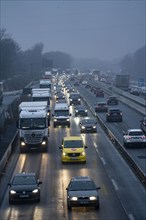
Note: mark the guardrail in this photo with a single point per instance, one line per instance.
(139, 173)
(8, 152)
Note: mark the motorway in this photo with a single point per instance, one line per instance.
(122, 196)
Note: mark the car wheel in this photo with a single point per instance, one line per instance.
(10, 201)
(68, 206)
(68, 126)
(97, 206)
(54, 126)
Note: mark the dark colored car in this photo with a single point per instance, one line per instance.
(82, 191)
(101, 107)
(81, 110)
(88, 125)
(114, 115)
(24, 187)
(74, 99)
(143, 124)
(112, 100)
(99, 93)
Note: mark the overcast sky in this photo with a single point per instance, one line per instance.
(102, 29)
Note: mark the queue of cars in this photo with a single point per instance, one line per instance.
(81, 190)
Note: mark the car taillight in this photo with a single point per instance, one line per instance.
(129, 137)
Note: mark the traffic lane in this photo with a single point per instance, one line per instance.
(109, 202)
(130, 191)
(117, 128)
(53, 189)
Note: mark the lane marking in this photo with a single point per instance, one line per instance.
(115, 184)
(131, 217)
(103, 161)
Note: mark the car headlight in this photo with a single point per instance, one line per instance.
(67, 119)
(76, 110)
(93, 198)
(86, 110)
(64, 154)
(70, 99)
(12, 192)
(44, 143)
(83, 127)
(83, 153)
(48, 113)
(55, 119)
(79, 99)
(94, 126)
(35, 191)
(22, 143)
(74, 198)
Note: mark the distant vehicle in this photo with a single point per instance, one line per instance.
(82, 191)
(61, 115)
(84, 82)
(134, 90)
(33, 126)
(99, 93)
(122, 81)
(81, 110)
(143, 124)
(101, 107)
(74, 99)
(45, 83)
(112, 100)
(24, 187)
(73, 150)
(114, 115)
(134, 137)
(88, 125)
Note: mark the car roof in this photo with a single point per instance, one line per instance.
(25, 174)
(70, 138)
(81, 178)
(134, 130)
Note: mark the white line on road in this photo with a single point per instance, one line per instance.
(115, 184)
(131, 217)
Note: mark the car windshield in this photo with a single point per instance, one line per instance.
(24, 180)
(61, 112)
(101, 104)
(73, 144)
(82, 185)
(33, 123)
(90, 121)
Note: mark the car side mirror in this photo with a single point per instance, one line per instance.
(86, 146)
(40, 182)
(9, 184)
(98, 188)
(52, 115)
(67, 188)
(70, 114)
(60, 147)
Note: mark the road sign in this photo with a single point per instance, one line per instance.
(141, 82)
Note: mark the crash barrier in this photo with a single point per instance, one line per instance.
(139, 173)
(6, 156)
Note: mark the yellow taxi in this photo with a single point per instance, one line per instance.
(73, 149)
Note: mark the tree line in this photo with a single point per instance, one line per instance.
(29, 63)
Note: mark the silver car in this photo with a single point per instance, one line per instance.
(82, 191)
(134, 137)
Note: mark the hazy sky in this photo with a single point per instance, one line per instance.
(103, 29)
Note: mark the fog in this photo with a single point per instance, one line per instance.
(105, 30)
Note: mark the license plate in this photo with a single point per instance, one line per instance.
(84, 202)
(24, 196)
(74, 158)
